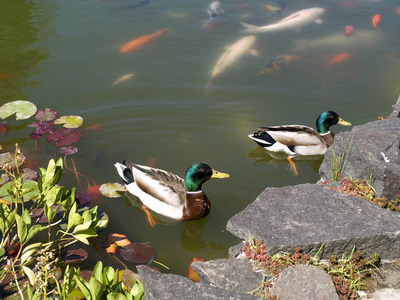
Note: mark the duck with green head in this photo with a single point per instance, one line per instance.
(297, 140)
(168, 194)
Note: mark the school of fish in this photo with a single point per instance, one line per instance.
(295, 21)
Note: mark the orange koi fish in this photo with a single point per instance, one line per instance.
(398, 10)
(339, 58)
(136, 43)
(376, 20)
(349, 30)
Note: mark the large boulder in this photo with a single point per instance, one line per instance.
(304, 282)
(369, 152)
(310, 216)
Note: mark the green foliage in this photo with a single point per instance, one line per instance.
(338, 163)
(39, 262)
(103, 284)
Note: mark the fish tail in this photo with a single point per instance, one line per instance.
(248, 27)
(166, 31)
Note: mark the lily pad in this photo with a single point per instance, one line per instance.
(47, 115)
(3, 128)
(138, 253)
(70, 121)
(29, 174)
(64, 136)
(22, 109)
(27, 184)
(68, 150)
(42, 127)
(82, 199)
(35, 136)
(8, 158)
(110, 189)
(74, 256)
(39, 213)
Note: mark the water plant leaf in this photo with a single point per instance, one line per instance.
(192, 273)
(35, 136)
(138, 253)
(29, 174)
(70, 121)
(111, 190)
(64, 136)
(30, 274)
(47, 115)
(31, 192)
(22, 109)
(74, 256)
(68, 150)
(82, 199)
(3, 128)
(8, 158)
(29, 250)
(4, 178)
(42, 127)
(129, 278)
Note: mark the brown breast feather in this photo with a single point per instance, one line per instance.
(197, 206)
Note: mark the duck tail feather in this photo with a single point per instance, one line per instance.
(125, 173)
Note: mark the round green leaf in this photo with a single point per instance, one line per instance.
(22, 109)
(70, 121)
(110, 189)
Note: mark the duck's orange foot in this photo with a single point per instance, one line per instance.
(149, 217)
(292, 166)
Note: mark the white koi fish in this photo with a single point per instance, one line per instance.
(294, 21)
(233, 54)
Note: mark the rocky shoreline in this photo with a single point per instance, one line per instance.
(309, 216)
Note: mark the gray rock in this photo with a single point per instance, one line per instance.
(372, 153)
(170, 286)
(230, 274)
(309, 216)
(304, 282)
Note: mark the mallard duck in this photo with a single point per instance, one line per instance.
(168, 194)
(297, 140)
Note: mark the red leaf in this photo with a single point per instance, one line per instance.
(64, 136)
(138, 253)
(68, 150)
(74, 256)
(46, 115)
(3, 129)
(43, 127)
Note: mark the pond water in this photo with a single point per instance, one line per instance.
(66, 55)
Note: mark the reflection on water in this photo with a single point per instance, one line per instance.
(66, 55)
(23, 25)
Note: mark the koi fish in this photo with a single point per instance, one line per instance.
(136, 43)
(376, 20)
(232, 54)
(349, 30)
(214, 10)
(339, 58)
(275, 64)
(280, 9)
(398, 10)
(293, 21)
(123, 78)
